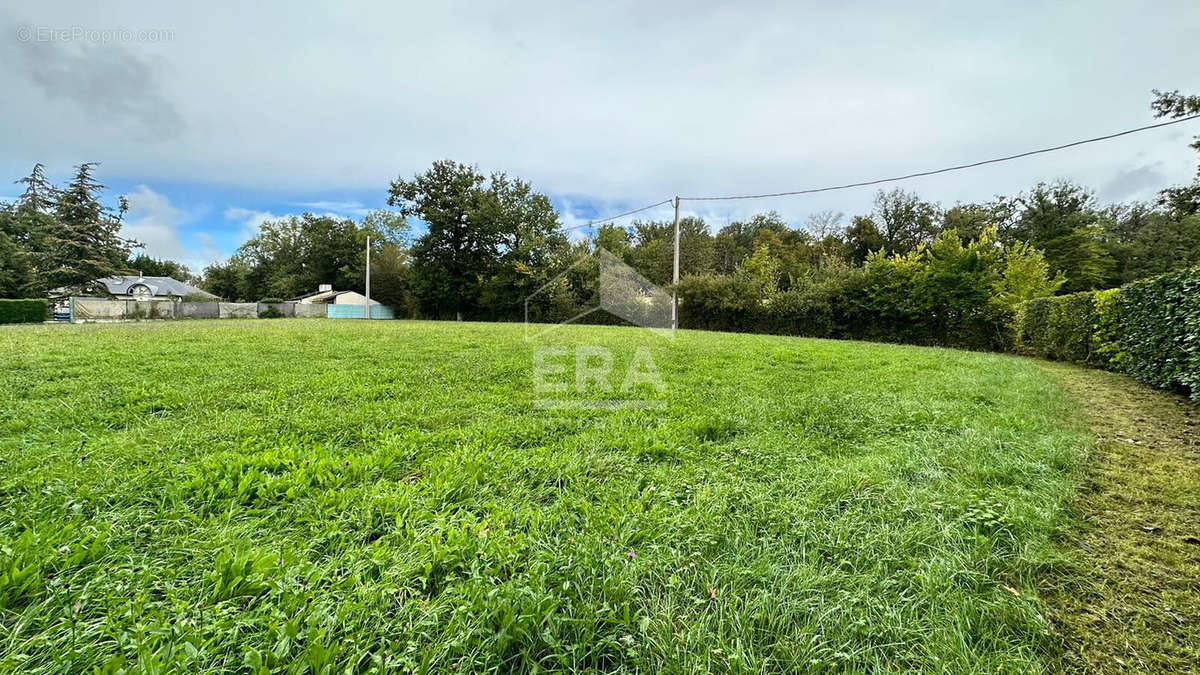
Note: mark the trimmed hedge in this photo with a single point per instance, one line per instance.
(853, 308)
(24, 311)
(1149, 329)
(1160, 337)
(1061, 328)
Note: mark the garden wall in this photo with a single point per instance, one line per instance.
(1149, 329)
(105, 309)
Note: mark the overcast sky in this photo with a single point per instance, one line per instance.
(213, 117)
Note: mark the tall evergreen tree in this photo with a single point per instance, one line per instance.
(40, 196)
(17, 278)
(156, 267)
(83, 242)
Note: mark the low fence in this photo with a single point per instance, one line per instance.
(104, 309)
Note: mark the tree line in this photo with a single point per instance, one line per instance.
(488, 241)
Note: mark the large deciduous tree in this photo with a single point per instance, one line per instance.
(1183, 200)
(862, 239)
(531, 245)
(489, 242)
(904, 221)
(456, 253)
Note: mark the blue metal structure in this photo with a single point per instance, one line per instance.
(358, 312)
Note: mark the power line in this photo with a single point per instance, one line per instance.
(592, 223)
(945, 170)
(959, 167)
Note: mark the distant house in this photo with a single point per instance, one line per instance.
(325, 295)
(152, 288)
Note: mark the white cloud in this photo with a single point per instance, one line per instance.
(152, 220)
(250, 219)
(354, 208)
(617, 102)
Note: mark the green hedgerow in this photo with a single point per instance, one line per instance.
(33, 310)
(1149, 329)
(1106, 334)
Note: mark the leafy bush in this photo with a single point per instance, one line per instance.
(24, 311)
(1149, 329)
(943, 294)
(804, 310)
(272, 301)
(271, 312)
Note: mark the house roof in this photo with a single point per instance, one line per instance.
(328, 297)
(159, 286)
(319, 295)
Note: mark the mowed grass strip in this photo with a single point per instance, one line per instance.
(306, 495)
(1131, 599)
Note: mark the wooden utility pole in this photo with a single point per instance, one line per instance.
(368, 310)
(675, 275)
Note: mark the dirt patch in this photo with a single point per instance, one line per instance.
(1133, 602)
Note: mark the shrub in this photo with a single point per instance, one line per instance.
(271, 312)
(272, 301)
(940, 296)
(1059, 328)
(804, 310)
(24, 311)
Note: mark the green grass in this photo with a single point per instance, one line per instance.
(307, 494)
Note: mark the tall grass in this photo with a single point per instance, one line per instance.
(312, 495)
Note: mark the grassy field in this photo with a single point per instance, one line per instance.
(309, 493)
